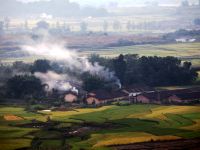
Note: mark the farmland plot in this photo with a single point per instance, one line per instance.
(100, 128)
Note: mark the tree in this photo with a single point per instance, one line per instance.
(42, 25)
(26, 25)
(57, 24)
(120, 67)
(185, 3)
(197, 21)
(41, 65)
(128, 25)
(83, 27)
(20, 66)
(1, 27)
(6, 23)
(105, 26)
(187, 65)
(107, 63)
(116, 25)
(92, 82)
(24, 86)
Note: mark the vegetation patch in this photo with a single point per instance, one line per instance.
(130, 140)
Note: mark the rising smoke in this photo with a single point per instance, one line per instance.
(58, 52)
(54, 80)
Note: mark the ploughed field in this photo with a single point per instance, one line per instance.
(108, 127)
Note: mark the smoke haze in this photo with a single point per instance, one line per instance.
(58, 52)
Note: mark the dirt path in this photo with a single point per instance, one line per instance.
(192, 144)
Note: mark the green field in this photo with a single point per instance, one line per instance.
(185, 51)
(116, 125)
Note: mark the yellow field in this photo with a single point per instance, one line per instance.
(122, 140)
(126, 125)
(159, 113)
(194, 127)
(67, 114)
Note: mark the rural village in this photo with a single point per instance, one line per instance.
(99, 74)
(134, 95)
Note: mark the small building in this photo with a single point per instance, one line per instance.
(103, 97)
(170, 96)
(185, 98)
(156, 97)
(185, 39)
(151, 97)
(71, 97)
(135, 91)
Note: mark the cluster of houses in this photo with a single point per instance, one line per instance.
(144, 95)
(185, 39)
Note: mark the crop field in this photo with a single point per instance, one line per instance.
(185, 51)
(97, 128)
(178, 49)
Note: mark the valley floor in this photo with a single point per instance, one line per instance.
(102, 128)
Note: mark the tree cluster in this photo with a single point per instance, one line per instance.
(20, 82)
(152, 71)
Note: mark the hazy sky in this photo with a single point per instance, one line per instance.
(121, 2)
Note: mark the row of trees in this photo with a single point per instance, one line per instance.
(129, 69)
(152, 71)
(84, 26)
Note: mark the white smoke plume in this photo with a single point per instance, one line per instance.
(54, 80)
(58, 52)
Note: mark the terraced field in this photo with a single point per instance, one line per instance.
(98, 128)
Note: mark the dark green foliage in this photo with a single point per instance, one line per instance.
(153, 71)
(24, 86)
(92, 82)
(20, 66)
(181, 33)
(158, 71)
(120, 68)
(94, 58)
(41, 65)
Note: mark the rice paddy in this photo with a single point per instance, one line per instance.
(129, 124)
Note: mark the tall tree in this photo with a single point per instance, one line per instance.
(83, 27)
(41, 65)
(24, 86)
(116, 25)
(120, 67)
(92, 82)
(105, 26)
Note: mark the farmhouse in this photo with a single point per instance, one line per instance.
(185, 98)
(170, 96)
(70, 97)
(151, 97)
(103, 97)
(184, 40)
(134, 91)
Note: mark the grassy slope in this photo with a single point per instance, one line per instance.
(137, 123)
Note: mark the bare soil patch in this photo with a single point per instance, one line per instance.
(12, 118)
